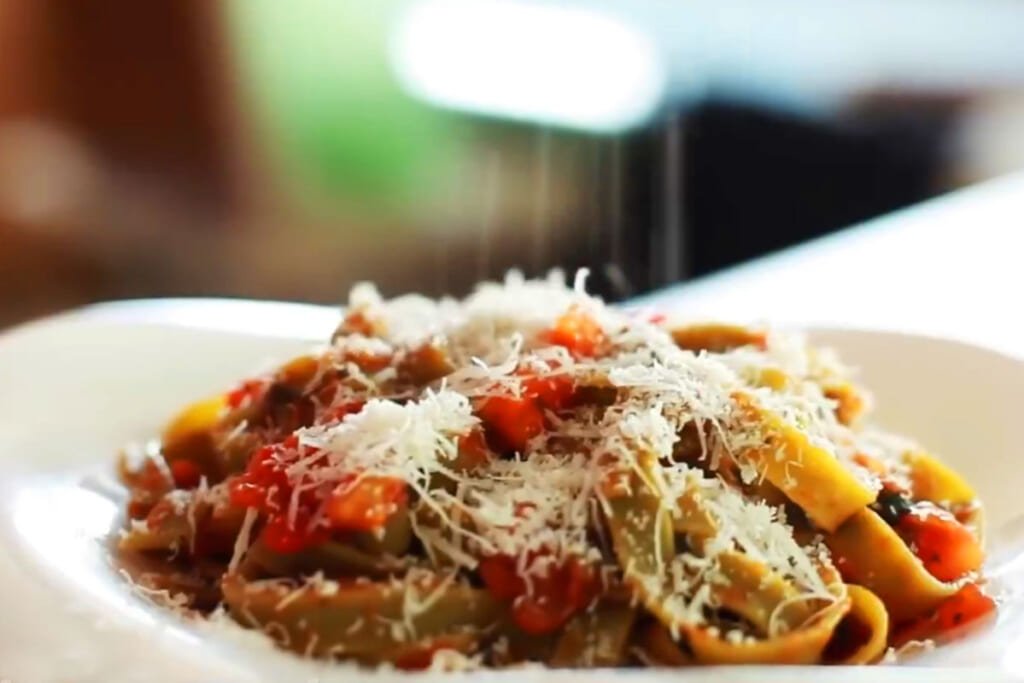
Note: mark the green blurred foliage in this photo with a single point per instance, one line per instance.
(334, 117)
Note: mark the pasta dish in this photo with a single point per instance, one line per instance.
(529, 475)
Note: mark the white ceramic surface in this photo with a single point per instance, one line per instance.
(76, 387)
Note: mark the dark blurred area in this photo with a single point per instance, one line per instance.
(254, 148)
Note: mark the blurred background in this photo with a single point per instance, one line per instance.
(258, 148)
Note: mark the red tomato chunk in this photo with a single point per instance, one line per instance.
(946, 547)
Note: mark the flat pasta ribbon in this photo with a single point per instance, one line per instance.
(808, 475)
(874, 556)
(644, 544)
(370, 622)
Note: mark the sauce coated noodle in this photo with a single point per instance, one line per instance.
(529, 475)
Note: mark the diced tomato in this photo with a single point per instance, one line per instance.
(282, 537)
(245, 494)
(577, 331)
(357, 323)
(946, 547)
(511, 421)
(186, 474)
(340, 412)
(554, 392)
(556, 597)
(368, 362)
(137, 508)
(425, 364)
(266, 487)
(967, 605)
(367, 504)
(473, 450)
(539, 616)
(244, 393)
(514, 421)
(264, 483)
(548, 601)
(499, 574)
(583, 583)
(287, 507)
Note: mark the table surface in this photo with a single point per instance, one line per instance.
(949, 267)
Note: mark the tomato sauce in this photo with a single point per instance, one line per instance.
(549, 600)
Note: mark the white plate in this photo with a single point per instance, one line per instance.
(76, 387)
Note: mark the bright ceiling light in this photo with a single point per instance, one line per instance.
(554, 65)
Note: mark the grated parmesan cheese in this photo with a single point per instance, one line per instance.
(542, 505)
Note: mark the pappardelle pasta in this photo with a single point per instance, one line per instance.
(528, 475)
